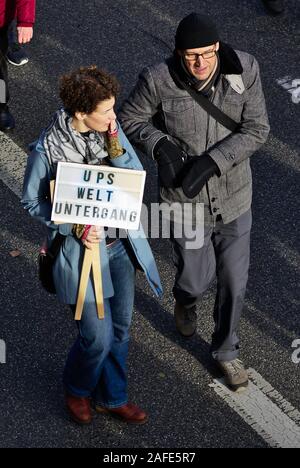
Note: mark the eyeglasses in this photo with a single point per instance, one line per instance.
(205, 55)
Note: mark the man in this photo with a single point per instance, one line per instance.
(24, 10)
(275, 7)
(163, 120)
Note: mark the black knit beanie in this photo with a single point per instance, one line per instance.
(196, 31)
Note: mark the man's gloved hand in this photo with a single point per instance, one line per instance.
(197, 172)
(170, 160)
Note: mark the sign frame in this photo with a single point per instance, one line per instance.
(97, 205)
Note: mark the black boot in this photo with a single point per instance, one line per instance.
(274, 6)
(185, 319)
(7, 122)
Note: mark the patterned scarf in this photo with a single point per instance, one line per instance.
(203, 86)
(63, 143)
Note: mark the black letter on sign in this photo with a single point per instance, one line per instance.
(58, 208)
(87, 176)
(110, 179)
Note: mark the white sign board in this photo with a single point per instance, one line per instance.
(98, 195)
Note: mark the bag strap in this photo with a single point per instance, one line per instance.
(56, 245)
(206, 104)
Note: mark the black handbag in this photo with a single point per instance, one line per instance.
(46, 261)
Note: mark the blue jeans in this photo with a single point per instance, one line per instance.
(96, 365)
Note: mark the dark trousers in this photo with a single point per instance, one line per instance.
(4, 94)
(225, 255)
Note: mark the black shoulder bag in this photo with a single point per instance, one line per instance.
(205, 103)
(46, 261)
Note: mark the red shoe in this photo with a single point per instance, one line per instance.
(79, 409)
(129, 413)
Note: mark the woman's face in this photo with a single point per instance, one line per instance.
(99, 120)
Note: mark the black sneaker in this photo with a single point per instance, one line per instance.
(16, 55)
(275, 7)
(185, 319)
(7, 122)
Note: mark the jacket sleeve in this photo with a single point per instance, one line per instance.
(36, 192)
(137, 111)
(253, 131)
(25, 12)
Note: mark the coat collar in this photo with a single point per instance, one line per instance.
(229, 61)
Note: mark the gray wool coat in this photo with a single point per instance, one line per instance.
(238, 93)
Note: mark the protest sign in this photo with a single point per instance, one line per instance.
(98, 195)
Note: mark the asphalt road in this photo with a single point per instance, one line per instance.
(169, 376)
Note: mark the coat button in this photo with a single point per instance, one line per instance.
(213, 200)
(215, 210)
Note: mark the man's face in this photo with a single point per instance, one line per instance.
(201, 62)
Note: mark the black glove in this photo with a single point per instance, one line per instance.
(170, 160)
(197, 171)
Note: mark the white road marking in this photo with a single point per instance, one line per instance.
(12, 164)
(2, 352)
(296, 354)
(265, 410)
(292, 86)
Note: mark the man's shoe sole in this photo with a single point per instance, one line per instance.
(100, 410)
(185, 336)
(238, 388)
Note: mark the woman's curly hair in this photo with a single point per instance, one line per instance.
(83, 89)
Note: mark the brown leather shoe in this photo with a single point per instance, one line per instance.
(79, 409)
(129, 413)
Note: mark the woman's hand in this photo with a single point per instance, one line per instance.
(113, 127)
(95, 235)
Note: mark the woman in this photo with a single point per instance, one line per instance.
(86, 131)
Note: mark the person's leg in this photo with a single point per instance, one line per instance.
(85, 361)
(6, 119)
(195, 270)
(12, 33)
(111, 391)
(4, 95)
(111, 395)
(232, 247)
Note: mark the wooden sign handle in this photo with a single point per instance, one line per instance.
(91, 261)
(85, 274)
(97, 274)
